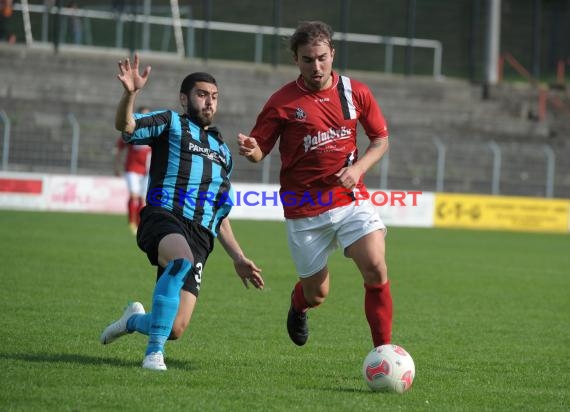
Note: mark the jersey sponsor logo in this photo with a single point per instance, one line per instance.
(209, 154)
(324, 138)
(300, 114)
(224, 152)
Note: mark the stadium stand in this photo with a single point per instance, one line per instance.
(39, 90)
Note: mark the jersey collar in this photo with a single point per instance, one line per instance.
(301, 84)
(213, 130)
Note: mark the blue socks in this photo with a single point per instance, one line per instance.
(165, 302)
(139, 323)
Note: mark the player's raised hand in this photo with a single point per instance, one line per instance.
(246, 144)
(129, 74)
(249, 272)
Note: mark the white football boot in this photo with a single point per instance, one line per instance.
(154, 361)
(119, 328)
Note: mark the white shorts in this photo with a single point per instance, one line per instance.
(313, 239)
(136, 183)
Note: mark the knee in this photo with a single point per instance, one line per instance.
(375, 273)
(317, 300)
(177, 331)
(318, 296)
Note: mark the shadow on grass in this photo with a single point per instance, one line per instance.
(85, 360)
(347, 390)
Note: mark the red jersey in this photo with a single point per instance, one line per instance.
(317, 132)
(138, 157)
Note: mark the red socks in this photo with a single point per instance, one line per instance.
(377, 306)
(299, 302)
(378, 309)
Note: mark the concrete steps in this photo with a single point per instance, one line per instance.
(39, 89)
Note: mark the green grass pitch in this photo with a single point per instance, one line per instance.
(485, 316)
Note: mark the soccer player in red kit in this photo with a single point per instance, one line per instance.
(136, 167)
(315, 119)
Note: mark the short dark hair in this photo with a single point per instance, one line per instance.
(308, 32)
(193, 78)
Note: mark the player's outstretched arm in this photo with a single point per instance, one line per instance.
(249, 148)
(245, 268)
(132, 82)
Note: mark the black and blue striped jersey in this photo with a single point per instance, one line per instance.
(190, 167)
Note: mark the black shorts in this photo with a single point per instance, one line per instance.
(157, 222)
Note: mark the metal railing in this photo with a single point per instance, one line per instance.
(6, 139)
(440, 177)
(75, 142)
(496, 167)
(499, 166)
(176, 24)
(543, 92)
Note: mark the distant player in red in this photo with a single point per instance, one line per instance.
(136, 167)
(314, 118)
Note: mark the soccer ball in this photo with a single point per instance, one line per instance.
(389, 368)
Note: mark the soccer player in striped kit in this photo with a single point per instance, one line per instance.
(315, 119)
(187, 206)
